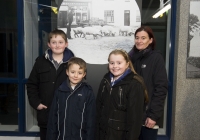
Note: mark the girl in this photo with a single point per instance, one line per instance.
(120, 100)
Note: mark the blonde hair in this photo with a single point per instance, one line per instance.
(126, 57)
(136, 76)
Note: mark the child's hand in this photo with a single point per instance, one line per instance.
(41, 106)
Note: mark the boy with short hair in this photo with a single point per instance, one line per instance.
(72, 114)
(46, 76)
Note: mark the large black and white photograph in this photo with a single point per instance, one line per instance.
(96, 27)
(193, 46)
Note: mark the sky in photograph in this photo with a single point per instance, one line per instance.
(194, 8)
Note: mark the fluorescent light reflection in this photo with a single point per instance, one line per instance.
(162, 10)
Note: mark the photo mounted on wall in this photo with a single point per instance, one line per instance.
(96, 27)
(193, 46)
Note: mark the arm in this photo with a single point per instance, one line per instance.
(33, 87)
(134, 111)
(52, 126)
(98, 109)
(160, 83)
(90, 114)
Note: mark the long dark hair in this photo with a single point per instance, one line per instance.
(149, 31)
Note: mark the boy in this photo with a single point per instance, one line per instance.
(47, 74)
(72, 114)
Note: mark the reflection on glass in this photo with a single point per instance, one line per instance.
(31, 115)
(8, 107)
(8, 39)
(8, 53)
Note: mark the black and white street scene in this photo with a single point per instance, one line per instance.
(193, 48)
(95, 28)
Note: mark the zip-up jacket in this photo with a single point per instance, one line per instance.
(119, 109)
(44, 79)
(151, 66)
(72, 114)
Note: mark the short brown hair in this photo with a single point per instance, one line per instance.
(78, 61)
(57, 32)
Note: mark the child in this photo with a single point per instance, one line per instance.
(47, 74)
(72, 114)
(120, 100)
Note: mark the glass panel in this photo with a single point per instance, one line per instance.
(31, 41)
(8, 39)
(41, 18)
(8, 107)
(31, 51)
(31, 121)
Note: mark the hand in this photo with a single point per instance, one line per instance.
(41, 106)
(150, 123)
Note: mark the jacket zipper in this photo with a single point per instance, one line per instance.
(109, 85)
(66, 108)
(120, 96)
(110, 91)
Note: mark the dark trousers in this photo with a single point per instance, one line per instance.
(43, 132)
(148, 134)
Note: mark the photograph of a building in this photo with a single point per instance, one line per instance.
(99, 26)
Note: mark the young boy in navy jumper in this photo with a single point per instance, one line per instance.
(72, 114)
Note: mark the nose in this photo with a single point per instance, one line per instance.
(114, 65)
(57, 45)
(139, 40)
(76, 75)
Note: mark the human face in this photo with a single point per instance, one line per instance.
(57, 44)
(117, 65)
(75, 74)
(142, 40)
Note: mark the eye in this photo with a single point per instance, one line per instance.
(111, 63)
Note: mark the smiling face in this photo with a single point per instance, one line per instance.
(142, 40)
(57, 44)
(75, 74)
(117, 65)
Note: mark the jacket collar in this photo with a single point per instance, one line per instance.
(122, 80)
(136, 54)
(67, 54)
(65, 86)
(144, 52)
(113, 82)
